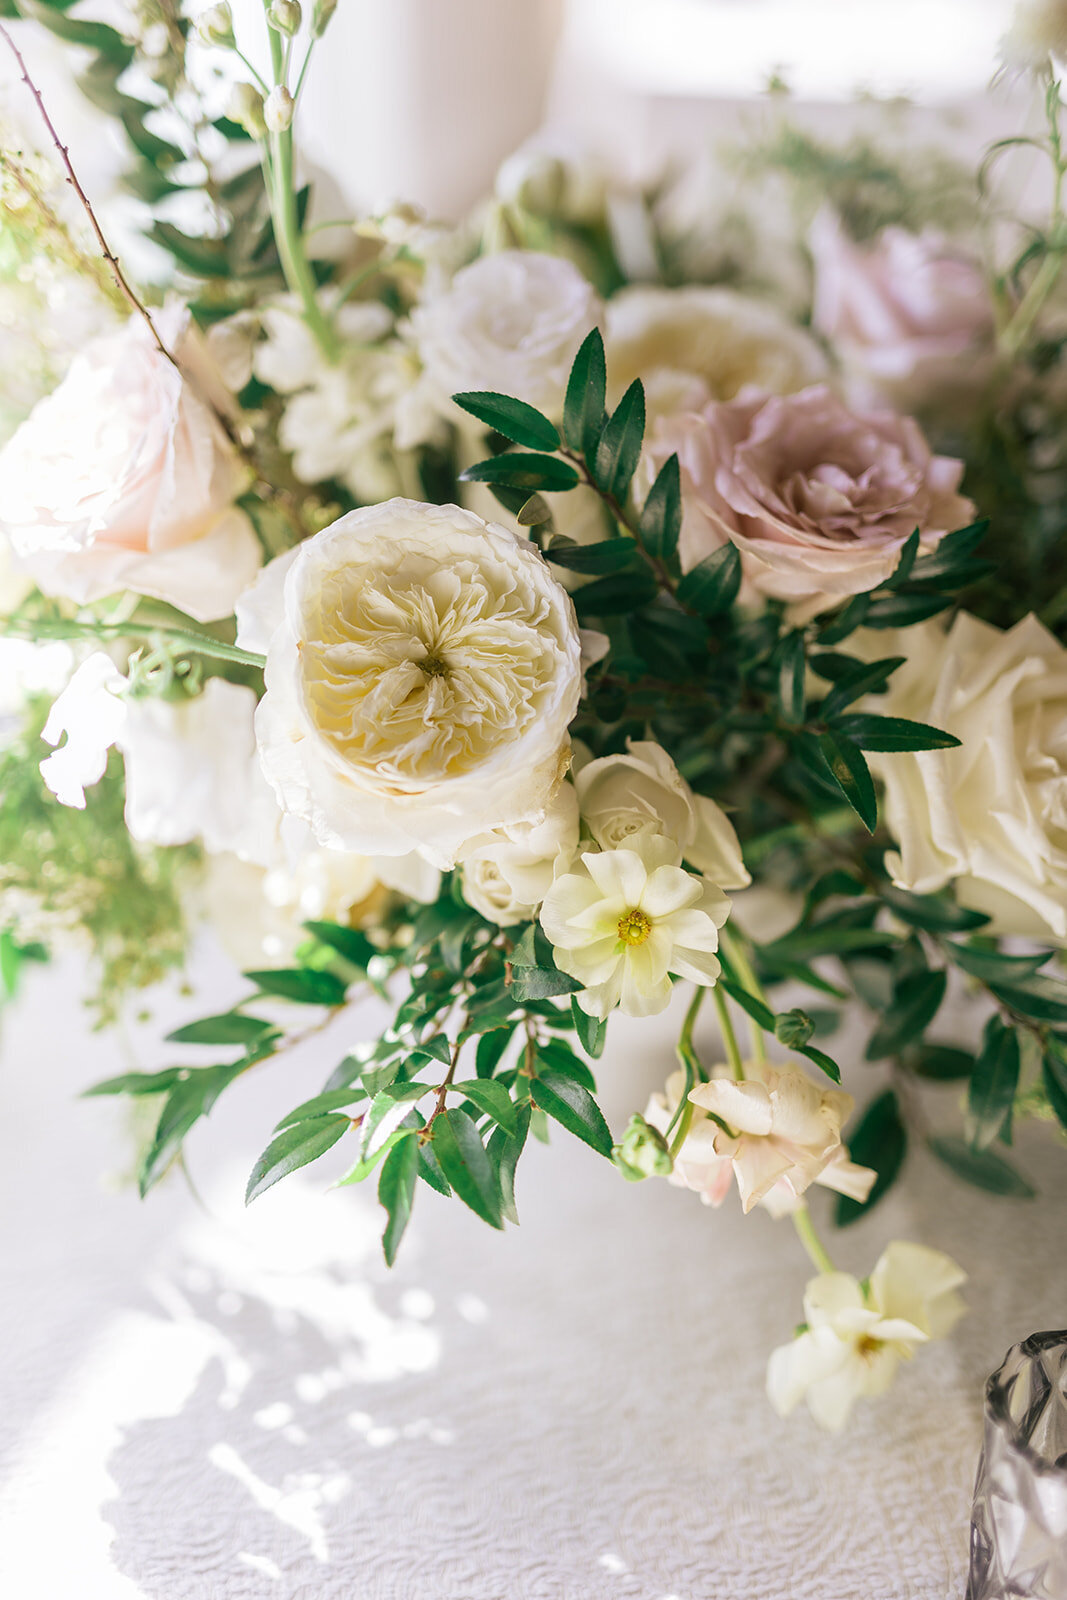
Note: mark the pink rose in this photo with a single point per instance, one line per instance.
(902, 312)
(819, 499)
(123, 479)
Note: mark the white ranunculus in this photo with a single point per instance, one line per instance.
(643, 795)
(856, 1335)
(695, 344)
(990, 816)
(784, 1129)
(625, 920)
(122, 478)
(423, 667)
(511, 323)
(507, 874)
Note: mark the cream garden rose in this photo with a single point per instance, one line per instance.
(123, 479)
(510, 322)
(693, 345)
(856, 1335)
(422, 669)
(991, 815)
(624, 920)
(642, 795)
(818, 498)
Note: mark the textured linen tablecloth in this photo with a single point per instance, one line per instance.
(213, 1404)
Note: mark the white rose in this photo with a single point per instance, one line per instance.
(123, 479)
(643, 795)
(507, 874)
(693, 345)
(990, 816)
(423, 667)
(511, 323)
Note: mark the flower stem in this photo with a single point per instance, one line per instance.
(817, 1252)
(693, 1069)
(196, 643)
(729, 1037)
(738, 958)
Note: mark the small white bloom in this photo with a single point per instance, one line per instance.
(92, 714)
(278, 109)
(857, 1336)
(627, 919)
(123, 479)
(1038, 30)
(423, 667)
(215, 25)
(642, 795)
(511, 322)
(245, 106)
(783, 1129)
(507, 874)
(990, 816)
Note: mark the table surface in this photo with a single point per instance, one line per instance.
(200, 1402)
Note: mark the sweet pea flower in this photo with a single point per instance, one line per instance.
(783, 1129)
(856, 1335)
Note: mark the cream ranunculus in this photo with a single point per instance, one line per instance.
(990, 816)
(910, 315)
(511, 323)
(783, 1129)
(123, 479)
(423, 667)
(642, 794)
(818, 498)
(627, 919)
(856, 1335)
(507, 874)
(693, 345)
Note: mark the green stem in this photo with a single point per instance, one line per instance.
(691, 1065)
(729, 1037)
(810, 1240)
(287, 232)
(197, 643)
(735, 953)
(1045, 279)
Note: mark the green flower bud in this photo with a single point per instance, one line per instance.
(286, 16)
(321, 15)
(793, 1028)
(246, 107)
(643, 1152)
(278, 111)
(215, 25)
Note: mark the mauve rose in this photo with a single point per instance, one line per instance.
(908, 314)
(818, 498)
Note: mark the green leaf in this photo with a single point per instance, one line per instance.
(611, 596)
(591, 1031)
(189, 1100)
(540, 983)
(828, 939)
(760, 1013)
(583, 408)
(569, 1104)
(505, 1151)
(841, 623)
(233, 1027)
(518, 469)
(791, 667)
(993, 966)
(850, 773)
(619, 449)
(491, 1097)
(513, 418)
(879, 1140)
(557, 1056)
(396, 1192)
(867, 678)
(902, 571)
(954, 548)
(293, 1148)
(1054, 1077)
(366, 1164)
(984, 1169)
(942, 1063)
(609, 555)
(904, 610)
(1040, 999)
(993, 1084)
(872, 732)
(439, 1048)
(301, 984)
(463, 1160)
(711, 587)
(826, 1063)
(490, 1050)
(932, 913)
(201, 257)
(660, 522)
(347, 942)
(320, 1104)
(139, 1082)
(915, 1004)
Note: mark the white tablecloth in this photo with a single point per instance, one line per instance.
(231, 1405)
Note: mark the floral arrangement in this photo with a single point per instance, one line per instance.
(529, 619)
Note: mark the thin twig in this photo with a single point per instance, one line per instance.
(124, 285)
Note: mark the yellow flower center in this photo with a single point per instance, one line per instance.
(634, 927)
(434, 666)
